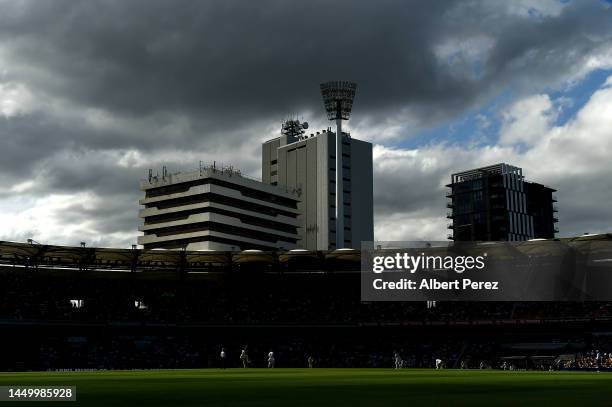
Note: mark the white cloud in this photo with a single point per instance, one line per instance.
(471, 49)
(22, 187)
(15, 99)
(398, 124)
(47, 220)
(599, 58)
(527, 120)
(419, 225)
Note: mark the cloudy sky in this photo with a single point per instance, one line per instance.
(94, 93)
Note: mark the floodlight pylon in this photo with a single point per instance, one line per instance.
(338, 100)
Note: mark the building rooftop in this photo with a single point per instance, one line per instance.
(228, 173)
(501, 168)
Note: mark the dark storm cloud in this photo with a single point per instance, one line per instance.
(225, 64)
(202, 76)
(231, 58)
(118, 211)
(236, 59)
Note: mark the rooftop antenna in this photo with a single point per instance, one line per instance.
(338, 100)
(293, 129)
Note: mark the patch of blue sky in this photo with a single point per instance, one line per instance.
(480, 126)
(571, 99)
(476, 127)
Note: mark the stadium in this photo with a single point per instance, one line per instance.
(97, 317)
(273, 203)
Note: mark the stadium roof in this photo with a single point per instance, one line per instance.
(29, 255)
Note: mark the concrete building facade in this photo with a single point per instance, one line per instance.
(495, 203)
(217, 209)
(308, 164)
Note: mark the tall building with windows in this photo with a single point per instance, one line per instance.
(217, 209)
(496, 203)
(308, 164)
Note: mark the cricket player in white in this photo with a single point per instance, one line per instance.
(398, 360)
(439, 363)
(271, 359)
(244, 358)
(222, 358)
(310, 361)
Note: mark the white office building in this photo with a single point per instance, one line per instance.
(308, 164)
(217, 209)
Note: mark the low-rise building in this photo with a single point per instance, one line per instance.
(215, 208)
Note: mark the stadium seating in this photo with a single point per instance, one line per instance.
(77, 308)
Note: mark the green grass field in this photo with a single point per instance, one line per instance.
(325, 387)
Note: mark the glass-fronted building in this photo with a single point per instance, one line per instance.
(495, 203)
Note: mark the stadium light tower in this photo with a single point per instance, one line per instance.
(338, 99)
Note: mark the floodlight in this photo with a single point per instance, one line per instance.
(338, 98)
